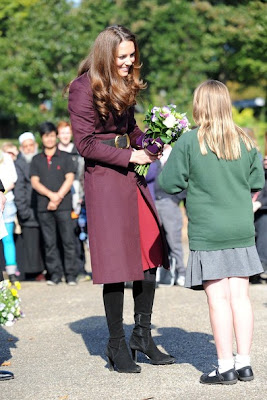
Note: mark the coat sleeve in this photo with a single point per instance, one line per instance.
(175, 173)
(20, 193)
(256, 177)
(134, 131)
(82, 115)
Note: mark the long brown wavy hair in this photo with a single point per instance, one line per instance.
(111, 91)
(212, 112)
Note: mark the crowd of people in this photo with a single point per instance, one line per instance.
(133, 230)
(44, 192)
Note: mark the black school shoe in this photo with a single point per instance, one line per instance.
(6, 375)
(225, 378)
(245, 374)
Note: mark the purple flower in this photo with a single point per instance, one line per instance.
(164, 115)
(184, 122)
(154, 118)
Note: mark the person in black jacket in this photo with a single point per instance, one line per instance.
(26, 202)
(260, 208)
(65, 144)
(4, 375)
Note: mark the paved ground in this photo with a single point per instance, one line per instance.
(57, 351)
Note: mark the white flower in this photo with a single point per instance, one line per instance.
(154, 109)
(165, 110)
(2, 306)
(9, 323)
(10, 317)
(170, 121)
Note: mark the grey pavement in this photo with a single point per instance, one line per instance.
(57, 351)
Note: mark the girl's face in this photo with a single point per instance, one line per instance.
(125, 57)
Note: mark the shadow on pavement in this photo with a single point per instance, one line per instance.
(193, 348)
(7, 342)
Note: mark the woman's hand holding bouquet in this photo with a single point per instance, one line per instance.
(165, 126)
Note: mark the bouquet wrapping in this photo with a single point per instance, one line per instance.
(165, 126)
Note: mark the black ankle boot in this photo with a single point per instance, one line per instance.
(117, 350)
(141, 339)
(120, 358)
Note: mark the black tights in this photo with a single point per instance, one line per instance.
(149, 276)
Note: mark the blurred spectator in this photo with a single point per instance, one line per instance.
(65, 144)
(4, 375)
(260, 209)
(150, 178)
(26, 202)
(11, 149)
(8, 177)
(52, 174)
(172, 220)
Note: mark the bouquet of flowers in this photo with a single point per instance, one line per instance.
(165, 126)
(9, 303)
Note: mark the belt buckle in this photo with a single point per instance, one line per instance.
(116, 140)
(127, 141)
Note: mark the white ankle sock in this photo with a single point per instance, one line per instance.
(223, 366)
(242, 361)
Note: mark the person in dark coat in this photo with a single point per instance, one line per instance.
(172, 221)
(126, 239)
(4, 375)
(260, 208)
(65, 144)
(26, 203)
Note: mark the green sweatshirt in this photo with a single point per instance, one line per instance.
(218, 202)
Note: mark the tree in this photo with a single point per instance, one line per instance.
(41, 49)
(181, 42)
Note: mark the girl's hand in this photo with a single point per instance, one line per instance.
(256, 205)
(142, 157)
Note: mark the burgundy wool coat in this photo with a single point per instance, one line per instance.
(110, 188)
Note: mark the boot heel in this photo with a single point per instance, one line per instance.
(134, 354)
(120, 359)
(110, 364)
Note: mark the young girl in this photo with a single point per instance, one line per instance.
(219, 166)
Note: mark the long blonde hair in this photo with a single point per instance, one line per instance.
(212, 112)
(110, 90)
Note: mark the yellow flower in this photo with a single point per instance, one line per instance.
(18, 285)
(14, 292)
(9, 284)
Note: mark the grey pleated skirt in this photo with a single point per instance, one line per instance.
(218, 264)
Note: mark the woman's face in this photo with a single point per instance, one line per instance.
(125, 57)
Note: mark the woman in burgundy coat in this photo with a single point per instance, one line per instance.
(126, 240)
